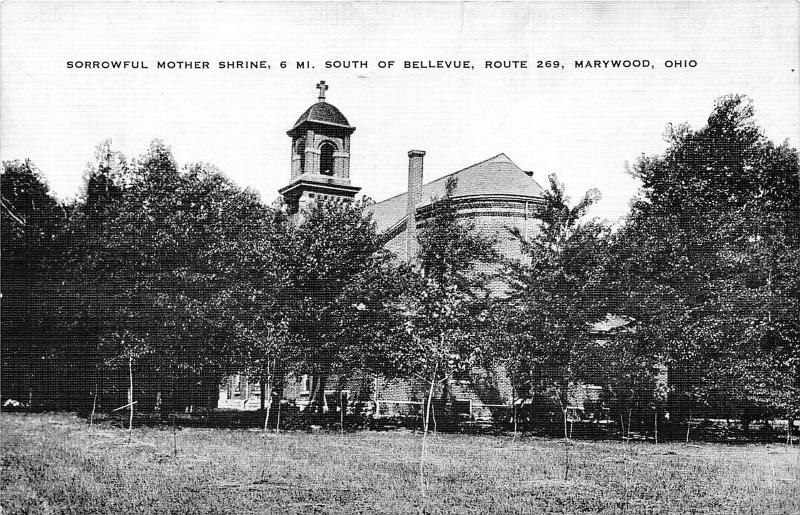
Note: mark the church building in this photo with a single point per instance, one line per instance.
(495, 194)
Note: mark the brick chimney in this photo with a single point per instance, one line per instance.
(414, 197)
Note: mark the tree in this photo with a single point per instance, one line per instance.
(707, 263)
(337, 292)
(447, 301)
(178, 271)
(32, 226)
(445, 305)
(83, 272)
(555, 295)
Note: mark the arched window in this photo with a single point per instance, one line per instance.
(300, 149)
(326, 151)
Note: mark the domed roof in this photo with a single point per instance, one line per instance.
(322, 112)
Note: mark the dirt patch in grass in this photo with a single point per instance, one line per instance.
(56, 463)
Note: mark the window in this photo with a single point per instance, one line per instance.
(326, 158)
(300, 150)
(304, 385)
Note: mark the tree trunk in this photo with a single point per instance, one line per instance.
(174, 437)
(655, 424)
(342, 407)
(94, 401)
(514, 414)
(317, 400)
(428, 406)
(212, 392)
(322, 401)
(130, 396)
(278, 376)
(263, 394)
(688, 426)
(172, 402)
(312, 398)
(266, 396)
(266, 415)
(564, 408)
(425, 432)
(629, 422)
(278, 423)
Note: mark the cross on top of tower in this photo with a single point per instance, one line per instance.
(322, 87)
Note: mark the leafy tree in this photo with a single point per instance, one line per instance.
(179, 270)
(556, 294)
(32, 225)
(445, 305)
(338, 288)
(707, 263)
(83, 287)
(447, 300)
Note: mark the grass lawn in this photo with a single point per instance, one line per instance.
(55, 463)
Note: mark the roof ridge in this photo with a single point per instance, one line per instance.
(453, 173)
(475, 165)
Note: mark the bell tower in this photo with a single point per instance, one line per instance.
(320, 156)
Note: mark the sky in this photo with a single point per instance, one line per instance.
(582, 124)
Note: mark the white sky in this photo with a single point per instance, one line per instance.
(581, 124)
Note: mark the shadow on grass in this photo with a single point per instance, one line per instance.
(292, 419)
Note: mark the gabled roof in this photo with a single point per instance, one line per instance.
(495, 177)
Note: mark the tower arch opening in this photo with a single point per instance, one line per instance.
(326, 151)
(300, 150)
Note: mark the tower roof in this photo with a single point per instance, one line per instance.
(321, 114)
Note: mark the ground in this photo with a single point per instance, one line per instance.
(55, 463)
